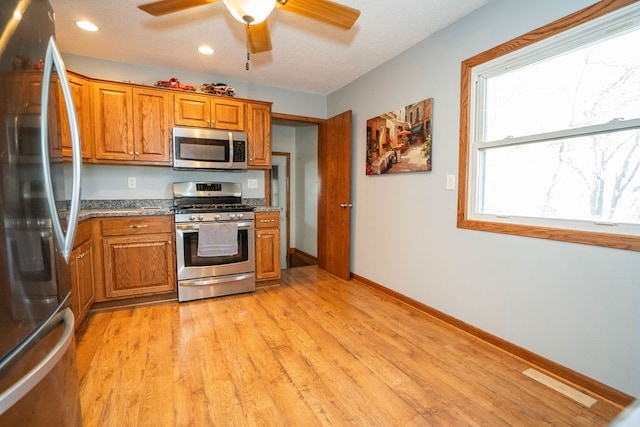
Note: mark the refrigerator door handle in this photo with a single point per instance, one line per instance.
(54, 59)
(21, 387)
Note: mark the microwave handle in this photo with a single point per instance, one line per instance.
(230, 150)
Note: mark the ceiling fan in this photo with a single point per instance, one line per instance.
(253, 13)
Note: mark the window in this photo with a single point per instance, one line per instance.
(550, 131)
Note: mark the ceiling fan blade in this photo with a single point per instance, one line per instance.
(323, 11)
(163, 7)
(259, 39)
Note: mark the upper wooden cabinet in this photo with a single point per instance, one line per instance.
(123, 123)
(259, 135)
(21, 99)
(81, 92)
(208, 111)
(112, 119)
(131, 124)
(152, 122)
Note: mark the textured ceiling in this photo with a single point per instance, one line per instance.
(307, 55)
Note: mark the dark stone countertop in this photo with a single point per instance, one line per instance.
(139, 207)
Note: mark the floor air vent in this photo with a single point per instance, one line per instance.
(556, 385)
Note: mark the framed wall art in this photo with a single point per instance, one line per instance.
(400, 141)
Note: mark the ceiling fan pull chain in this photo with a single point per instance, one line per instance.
(248, 54)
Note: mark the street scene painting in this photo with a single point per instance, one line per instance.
(400, 141)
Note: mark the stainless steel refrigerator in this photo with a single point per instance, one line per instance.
(38, 376)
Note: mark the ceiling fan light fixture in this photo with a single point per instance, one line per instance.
(250, 11)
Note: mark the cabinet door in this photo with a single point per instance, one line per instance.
(83, 290)
(32, 87)
(192, 110)
(227, 114)
(267, 253)
(138, 265)
(82, 100)
(112, 118)
(259, 135)
(152, 126)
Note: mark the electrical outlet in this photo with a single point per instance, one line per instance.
(252, 183)
(131, 182)
(451, 182)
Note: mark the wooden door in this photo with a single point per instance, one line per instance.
(112, 118)
(334, 202)
(82, 273)
(227, 114)
(267, 236)
(152, 126)
(259, 135)
(138, 265)
(81, 99)
(192, 110)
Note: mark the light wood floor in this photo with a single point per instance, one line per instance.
(314, 350)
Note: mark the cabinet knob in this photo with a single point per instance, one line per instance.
(137, 154)
(131, 153)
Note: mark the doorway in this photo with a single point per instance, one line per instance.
(295, 170)
(281, 197)
(327, 188)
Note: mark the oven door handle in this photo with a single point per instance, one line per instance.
(197, 225)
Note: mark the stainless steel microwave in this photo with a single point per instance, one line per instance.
(199, 148)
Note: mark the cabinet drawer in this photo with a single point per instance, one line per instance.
(133, 225)
(267, 219)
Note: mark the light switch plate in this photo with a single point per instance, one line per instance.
(451, 182)
(131, 182)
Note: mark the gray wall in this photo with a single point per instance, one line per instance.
(577, 305)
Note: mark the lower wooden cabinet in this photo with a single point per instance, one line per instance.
(138, 256)
(267, 226)
(83, 292)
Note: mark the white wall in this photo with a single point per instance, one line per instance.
(302, 143)
(577, 305)
(106, 182)
(307, 187)
(283, 139)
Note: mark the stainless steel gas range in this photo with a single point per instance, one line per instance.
(214, 240)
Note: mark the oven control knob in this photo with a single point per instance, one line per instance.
(192, 217)
(200, 217)
(233, 216)
(216, 217)
(240, 215)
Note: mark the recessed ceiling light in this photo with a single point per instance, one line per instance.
(206, 50)
(87, 26)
